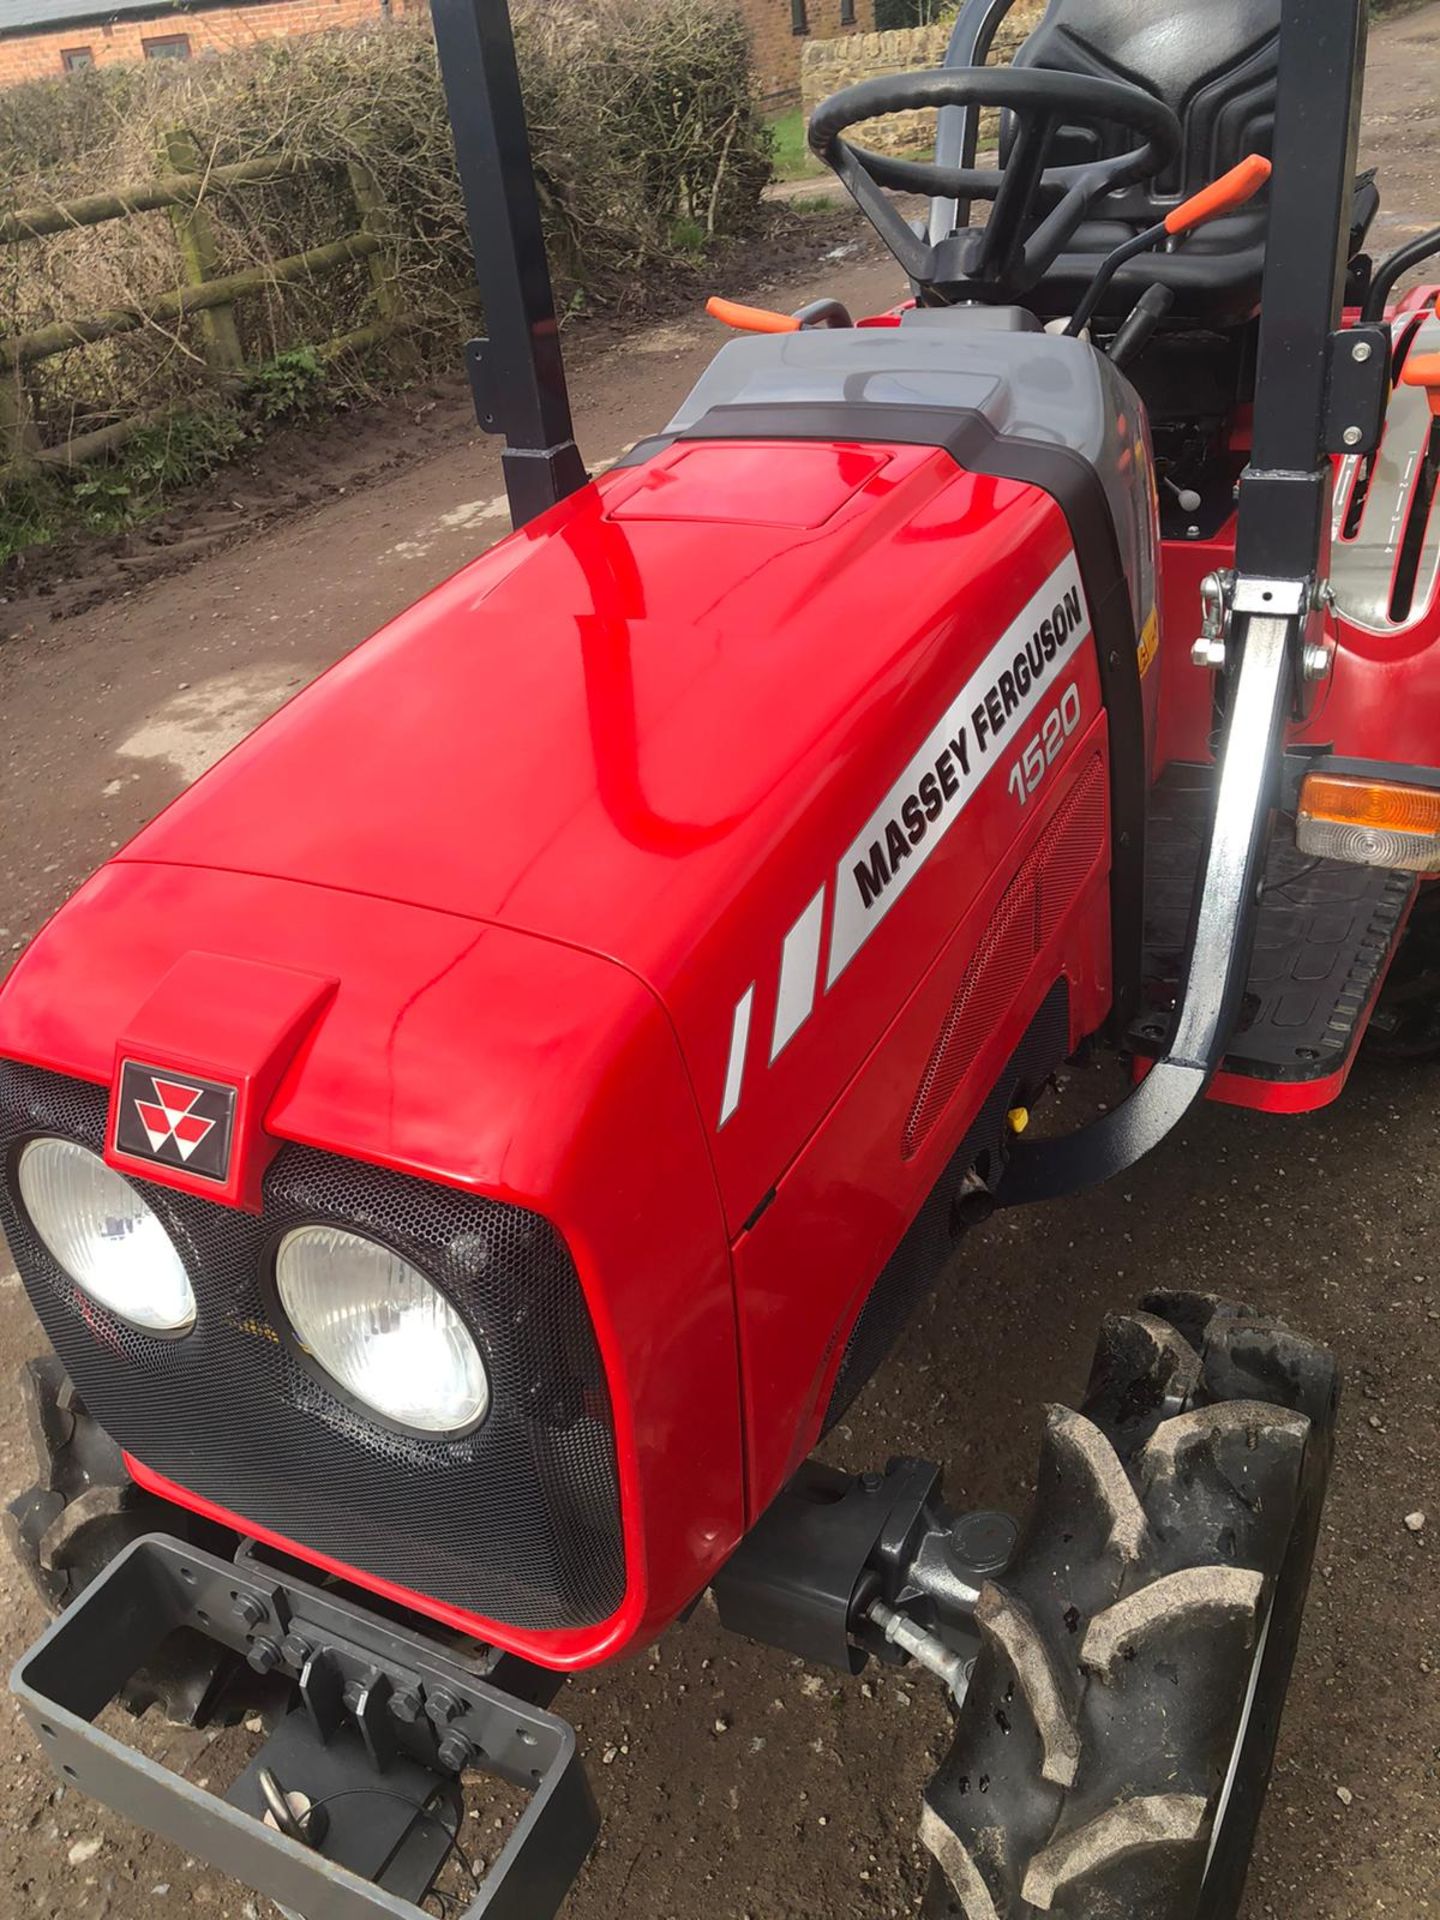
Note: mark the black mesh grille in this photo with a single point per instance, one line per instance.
(517, 1521)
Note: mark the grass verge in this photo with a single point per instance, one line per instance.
(792, 158)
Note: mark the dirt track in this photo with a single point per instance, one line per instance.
(734, 1782)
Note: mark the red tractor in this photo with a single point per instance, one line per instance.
(468, 1150)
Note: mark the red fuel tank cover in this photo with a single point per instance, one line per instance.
(197, 1067)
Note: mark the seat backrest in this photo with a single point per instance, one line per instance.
(1213, 61)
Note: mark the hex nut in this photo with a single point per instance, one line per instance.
(296, 1649)
(406, 1705)
(455, 1751)
(264, 1655)
(442, 1706)
(250, 1610)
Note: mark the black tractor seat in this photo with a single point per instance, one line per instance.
(1214, 274)
(1214, 63)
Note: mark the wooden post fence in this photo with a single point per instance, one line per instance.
(204, 294)
(19, 442)
(195, 237)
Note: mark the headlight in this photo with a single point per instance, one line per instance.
(105, 1236)
(380, 1329)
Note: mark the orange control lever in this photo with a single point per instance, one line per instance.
(1423, 370)
(1231, 190)
(750, 319)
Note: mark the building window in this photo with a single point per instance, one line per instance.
(76, 59)
(799, 20)
(847, 13)
(174, 46)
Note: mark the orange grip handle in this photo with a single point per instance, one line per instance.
(750, 319)
(1232, 189)
(1423, 370)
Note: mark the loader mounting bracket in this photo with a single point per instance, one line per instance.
(1357, 389)
(831, 1544)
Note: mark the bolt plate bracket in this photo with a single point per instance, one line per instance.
(1357, 389)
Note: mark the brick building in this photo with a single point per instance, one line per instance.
(780, 28)
(42, 39)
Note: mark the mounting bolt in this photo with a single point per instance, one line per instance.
(443, 1706)
(927, 1648)
(264, 1655)
(1315, 660)
(1352, 436)
(406, 1705)
(296, 1649)
(250, 1610)
(455, 1751)
(1360, 352)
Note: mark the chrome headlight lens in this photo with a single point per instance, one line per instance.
(105, 1235)
(381, 1330)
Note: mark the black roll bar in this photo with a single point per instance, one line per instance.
(517, 372)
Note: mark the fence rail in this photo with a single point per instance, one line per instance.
(183, 189)
(204, 293)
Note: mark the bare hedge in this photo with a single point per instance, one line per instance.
(646, 144)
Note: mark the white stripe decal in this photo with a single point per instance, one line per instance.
(735, 1068)
(799, 970)
(972, 736)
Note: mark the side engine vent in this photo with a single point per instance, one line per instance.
(1030, 909)
(931, 1238)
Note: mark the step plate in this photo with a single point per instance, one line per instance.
(1326, 934)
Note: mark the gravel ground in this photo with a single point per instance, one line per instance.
(734, 1781)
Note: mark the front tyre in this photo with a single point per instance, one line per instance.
(82, 1510)
(1112, 1753)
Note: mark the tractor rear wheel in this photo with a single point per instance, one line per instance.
(1113, 1750)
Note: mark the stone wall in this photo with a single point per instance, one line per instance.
(828, 65)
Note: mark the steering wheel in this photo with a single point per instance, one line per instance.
(1013, 250)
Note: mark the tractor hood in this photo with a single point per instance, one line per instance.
(602, 729)
(645, 730)
(418, 1040)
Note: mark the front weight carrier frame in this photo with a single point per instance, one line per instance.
(384, 1723)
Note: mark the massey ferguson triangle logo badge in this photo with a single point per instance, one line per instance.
(175, 1121)
(169, 1117)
